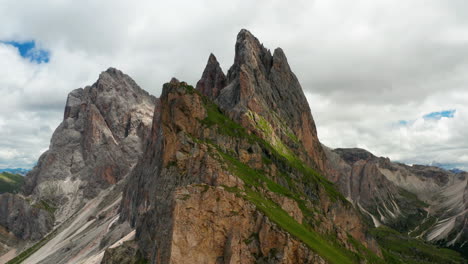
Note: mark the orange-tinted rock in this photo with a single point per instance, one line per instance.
(212, 225)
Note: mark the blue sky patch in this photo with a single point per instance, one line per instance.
(403, 122)
(439, 115)
(431, 116)
(29, 51)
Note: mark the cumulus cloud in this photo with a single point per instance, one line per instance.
(365, 65)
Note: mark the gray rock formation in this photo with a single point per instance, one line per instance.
(230, 172)
(23, 220)
(178, 194)
(100, 139)
(263, 87)
(424, 201)
(212, 80)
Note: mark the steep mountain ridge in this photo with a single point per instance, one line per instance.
(96, 145)
(229, 172)
(261, 87)
(203, 157)
(93, 149)
(195, 144)
(423, 201)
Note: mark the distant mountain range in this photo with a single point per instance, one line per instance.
(19, 171)
(452, 167)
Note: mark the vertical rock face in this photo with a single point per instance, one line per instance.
(212, 80)
(262, 86)
(423, 201)
(147, 201)
(230, 172)
(23, 220)
(169, 229)
(356, 173)
(96, 145)
(212, 225)
(204, 157)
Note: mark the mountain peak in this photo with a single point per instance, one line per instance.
(245, 35)
(212, 59)
(112, 74)
(213, 78)
(261, 83)
(351, 155)
(174, 80)
(245, 38)
(114, 80)
(280, 62)
(250, 53)
(113, 71)
(109, 120)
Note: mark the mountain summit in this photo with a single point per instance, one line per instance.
(262, 87)
(227, 178)
(213, 79)
(97, 143)
(231, 171)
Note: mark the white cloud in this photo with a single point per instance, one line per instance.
(364, 65)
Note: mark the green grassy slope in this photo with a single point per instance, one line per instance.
(10, 182)
(258, 181)
(398, 248)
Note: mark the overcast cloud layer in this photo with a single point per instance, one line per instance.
(371, 70)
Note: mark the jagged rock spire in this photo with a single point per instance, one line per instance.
(263, 83)
(250, 53)
(213, 79)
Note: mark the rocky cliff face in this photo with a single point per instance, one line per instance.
(423, 201)
(220, 191)
(261, 87)
(96, 145)
(229, 172)
(212, 80)
(212, 225)
(16, 214)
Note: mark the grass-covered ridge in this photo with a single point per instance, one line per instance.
(292, 173)
(401, 249)
(10, 182)
(291, 179)
(274, 151)
(255, 181)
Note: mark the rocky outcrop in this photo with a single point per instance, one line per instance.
(100, 139)
(192, 142)
(229, 172)
(212, 80)
(423, 201)
(127, 253)
(97, 144)
(147, 200)
(356, 173)
(212, 225)
(261, 86)
(23, 220)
